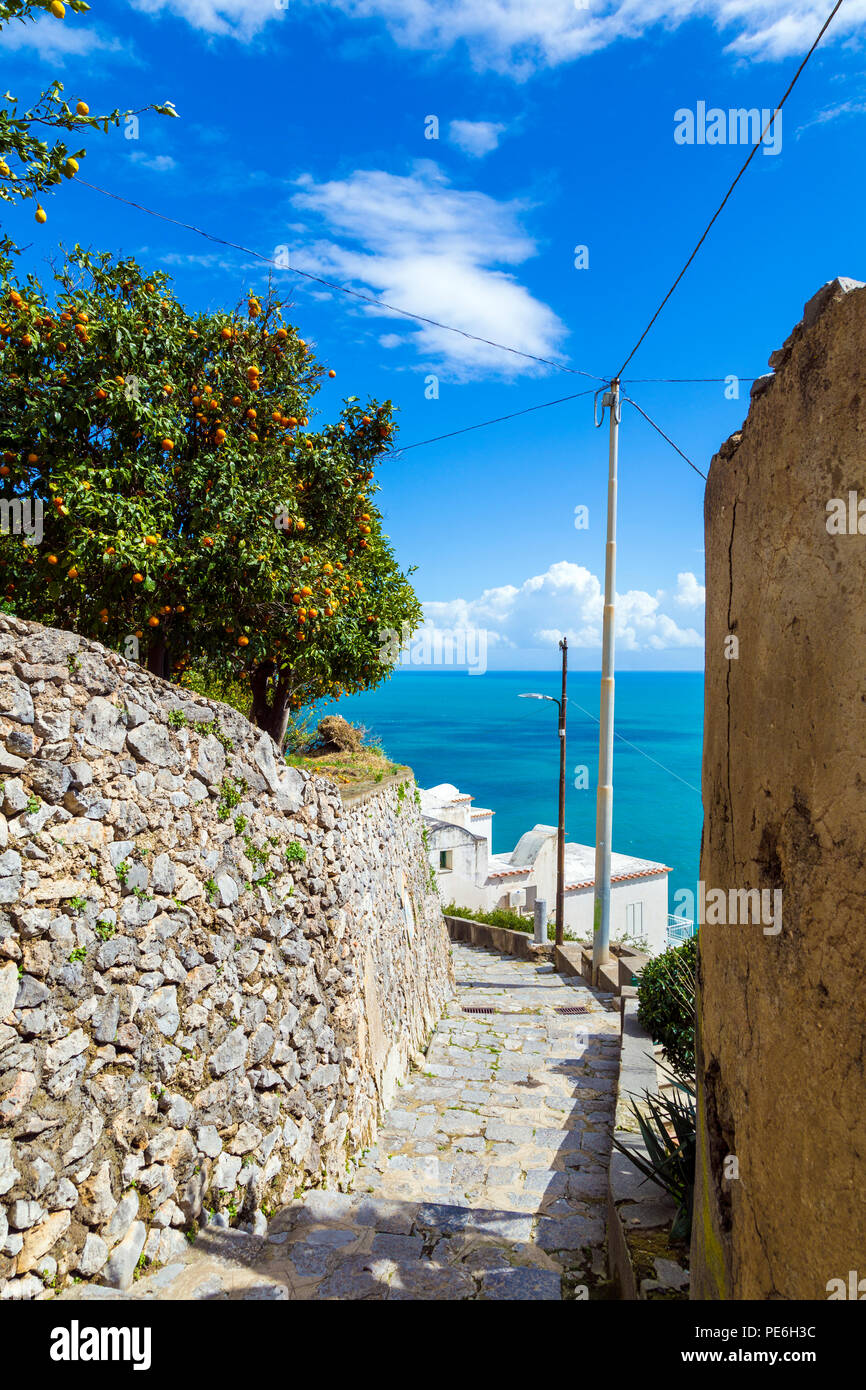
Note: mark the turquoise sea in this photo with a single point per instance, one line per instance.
(474, 731)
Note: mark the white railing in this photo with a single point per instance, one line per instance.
(679, 929)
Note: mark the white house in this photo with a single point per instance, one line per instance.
(459, 838)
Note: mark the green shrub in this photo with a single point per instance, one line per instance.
(501, 917)
(666, 1003)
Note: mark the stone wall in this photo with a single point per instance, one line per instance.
(212, 972)
(781, 1016)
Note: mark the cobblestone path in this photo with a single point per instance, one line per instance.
(489, 1177)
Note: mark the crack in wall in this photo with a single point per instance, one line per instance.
(731, 626)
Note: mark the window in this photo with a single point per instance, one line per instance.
(634, 920)
(445, 859)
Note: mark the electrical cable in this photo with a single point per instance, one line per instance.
(401, 449)
(544, 405)
(666, 437)
(544, 361)
(622, 739)
(332, 285)
(721, 206)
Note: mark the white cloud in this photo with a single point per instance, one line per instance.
(521, 36)
(566, 601)
(240, 19)
(689, 593)
(416, 242)
(56, 40)
(159, 163)
(833, 113)
(475, 138)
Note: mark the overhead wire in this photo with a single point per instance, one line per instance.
(380, 303)
(544, 405)
(828, 21)
(472, 337)
(356, 294)
(341, 289)
(665, 437)
(397, 452)
(682, 380)
(636, 748)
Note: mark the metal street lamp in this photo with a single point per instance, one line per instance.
(560, 830)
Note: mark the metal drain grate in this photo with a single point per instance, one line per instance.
(573, 1009)
(478, 1009)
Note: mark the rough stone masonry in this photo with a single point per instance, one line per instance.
(212, 972)
(779, 1204)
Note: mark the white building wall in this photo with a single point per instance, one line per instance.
(455, 887)
(483, 826)
(458, 813)
(544, 874)
(462, 891)
(639, 906)
(651, 893)
(579, 906)
(468, 858)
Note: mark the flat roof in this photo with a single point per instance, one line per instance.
(580, 864)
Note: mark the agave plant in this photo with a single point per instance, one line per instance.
(668, 1129)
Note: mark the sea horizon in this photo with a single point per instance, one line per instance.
(505, 754)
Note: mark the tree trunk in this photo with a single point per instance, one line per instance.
(270, 714)
(157, 656)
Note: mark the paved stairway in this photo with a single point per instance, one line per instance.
(489, 1177)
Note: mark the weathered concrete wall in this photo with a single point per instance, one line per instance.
(781, 1060)
(212, 972)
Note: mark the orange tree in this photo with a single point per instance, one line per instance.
(29, 164)
(189, 504)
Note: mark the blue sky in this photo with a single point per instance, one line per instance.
(304, 126)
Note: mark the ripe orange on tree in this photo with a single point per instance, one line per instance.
(159, 495)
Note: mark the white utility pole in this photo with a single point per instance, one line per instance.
(604, 803)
